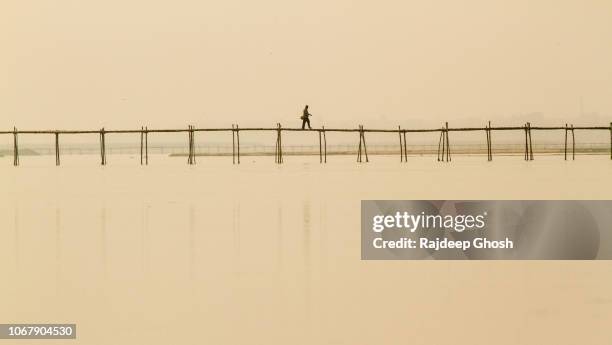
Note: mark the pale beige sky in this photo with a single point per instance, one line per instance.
(123, 63)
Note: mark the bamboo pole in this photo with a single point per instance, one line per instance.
(359, 152)
(530, 142)
(490, 143)
(102, 146)
(443, 144)
(104, 143)
(448, 153)
(188, 146)
(459, 129)
(487, 137)
(238, 142)
(399, 133)
(565, 147)
(57, 152)
(192, 147)
(15, 148)
(193, 144)
(405, 149)
(320, 148)
(573, 144)
(440, 145)
(365, 147)
(233, 145)
(280, 141)
(141, 144)
(526, 144)
(325, 145)
(276, 147)
(146, 145)
(191, 160)
(280, 136)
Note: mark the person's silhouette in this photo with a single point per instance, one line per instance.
(305, 119)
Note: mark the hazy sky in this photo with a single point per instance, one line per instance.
(124, 63)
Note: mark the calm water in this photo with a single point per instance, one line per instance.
(267, 254)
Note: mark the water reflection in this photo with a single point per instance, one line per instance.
(307, 261)
(279, 237)
(16, 225)
(192, 248)
(103, 243)
(144, 239)
(58, 250)
(269, 263)
(236, 235)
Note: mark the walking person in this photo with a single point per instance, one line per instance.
(305, 119)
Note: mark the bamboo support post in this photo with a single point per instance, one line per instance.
(365, 146)
(443, 144)
(188, 145)
(233, 145)
(102, 146)
(530, 142)
(405, 149)
(191, 160)
(359, 151)
(238, 143)
(146, 145)
(141, 144)
(399, 133)
(448, 153)
(15, 147)
(320, 148)
(276, 153)
(325, 145)
(440, 145)
(490, 142)
(565, 146)
(526, 143)
(573, 144)
(57, 150)
(193, 146)
(280, 147)
(487, 136)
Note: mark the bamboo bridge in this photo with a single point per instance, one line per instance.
(443, 152)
